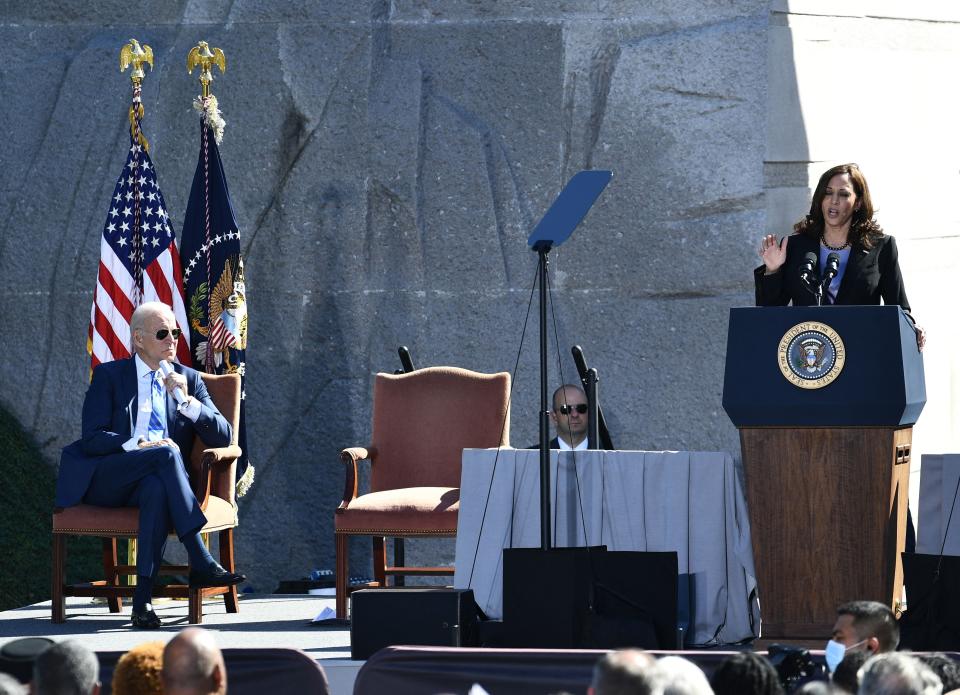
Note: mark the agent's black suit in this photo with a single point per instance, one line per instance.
(871, 275)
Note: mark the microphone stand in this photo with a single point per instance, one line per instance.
(593, 404)
(543, 248)
(814, 287)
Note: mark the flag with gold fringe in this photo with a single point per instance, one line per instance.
(213, 273)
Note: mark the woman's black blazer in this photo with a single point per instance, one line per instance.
(871, 275)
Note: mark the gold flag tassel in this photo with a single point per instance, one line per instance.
(135, 55)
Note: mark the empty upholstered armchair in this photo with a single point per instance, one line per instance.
(213, 474)
(422, 422)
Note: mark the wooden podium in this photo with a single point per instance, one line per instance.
(825, 399)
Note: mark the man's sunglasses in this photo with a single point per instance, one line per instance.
(175, 332)
(579, 407)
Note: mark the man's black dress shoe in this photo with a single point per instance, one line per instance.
(214, 576)
(144, 618)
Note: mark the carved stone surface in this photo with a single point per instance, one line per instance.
(387, 161)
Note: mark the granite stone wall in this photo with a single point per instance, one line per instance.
(387, 161)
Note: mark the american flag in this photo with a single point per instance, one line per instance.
(139, 262)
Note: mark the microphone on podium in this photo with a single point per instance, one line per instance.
(808, 271)
(833, 267)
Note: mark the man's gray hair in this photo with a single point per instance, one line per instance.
(897, 673)
(146, 310)
(65, 668)
(11, 686)
(625, 672)
(674, 675)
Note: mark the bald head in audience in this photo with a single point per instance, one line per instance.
(193, 664)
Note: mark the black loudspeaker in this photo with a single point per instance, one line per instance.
(568, 598)
(432, 616)
(932, 619)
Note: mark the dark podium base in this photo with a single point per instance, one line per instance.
(828, 511)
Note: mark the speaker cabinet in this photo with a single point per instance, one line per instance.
(569, 598)
(431, 616)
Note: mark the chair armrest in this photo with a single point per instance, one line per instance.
(224, 454)
(350, 457)
(218, 474)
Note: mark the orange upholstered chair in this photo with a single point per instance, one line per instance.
(422, 422)
(213, 476)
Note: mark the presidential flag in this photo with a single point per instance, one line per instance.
(216, 295)
(138, 256)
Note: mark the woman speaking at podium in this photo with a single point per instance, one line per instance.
(839, 228)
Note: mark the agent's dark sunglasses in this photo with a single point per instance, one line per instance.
(579, 407)
(164, 332)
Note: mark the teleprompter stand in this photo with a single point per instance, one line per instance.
(566, 213)
(580, 597)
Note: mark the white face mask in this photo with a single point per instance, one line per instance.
(835, 651)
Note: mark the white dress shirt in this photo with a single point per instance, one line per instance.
(145, 377)
(582, 446)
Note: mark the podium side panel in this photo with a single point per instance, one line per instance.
(828, 515)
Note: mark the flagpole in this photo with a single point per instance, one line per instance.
(133, 55)
(201, 56)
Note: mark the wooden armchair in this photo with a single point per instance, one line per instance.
(422, 422)
(213, 474)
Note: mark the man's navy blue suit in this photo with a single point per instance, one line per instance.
(96, 470)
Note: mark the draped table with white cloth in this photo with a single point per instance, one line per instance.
(688, 502)
(939, 481)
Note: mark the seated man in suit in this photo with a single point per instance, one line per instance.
(131, 450)
(570, 418)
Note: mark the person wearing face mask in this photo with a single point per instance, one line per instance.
(869, 626)
(840, 221)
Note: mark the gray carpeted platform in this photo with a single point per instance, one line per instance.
(263, 621)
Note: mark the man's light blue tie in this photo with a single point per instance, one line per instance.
(156, 429)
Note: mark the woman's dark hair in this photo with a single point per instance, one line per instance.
(863, 228)
(746, 672)
(845, 677)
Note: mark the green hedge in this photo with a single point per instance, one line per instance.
(26, 503)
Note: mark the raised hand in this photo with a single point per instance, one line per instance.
(772, 253)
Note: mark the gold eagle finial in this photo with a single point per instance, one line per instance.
(201, 55)
(133, 54)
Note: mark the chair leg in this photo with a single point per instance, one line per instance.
(110, 571)
(195, 606)
(343, 562)
(399, 560)
(58, 605)
(380, 560)
(225, 541)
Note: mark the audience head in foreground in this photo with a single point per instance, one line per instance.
(138, 671)
(674, 675)
(869, 626)
(625, 672)
(66, 668)
(946, 669)
(17, 656)
(11, 686)
(193, 664)
(845, 675)
(746, 672)
(897, 674)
